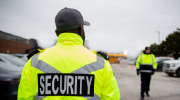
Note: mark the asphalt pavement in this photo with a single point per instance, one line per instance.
(162, 86)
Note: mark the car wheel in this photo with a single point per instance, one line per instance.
(157, 69)
(170, 74)
(178, 72)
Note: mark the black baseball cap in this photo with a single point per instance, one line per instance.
(147, 48)
(68, 19)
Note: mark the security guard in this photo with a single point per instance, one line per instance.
(146, 65)
(68, 70)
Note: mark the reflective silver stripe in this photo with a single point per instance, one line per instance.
(39, 97)
(137, 61)
(147, 71)
(152, 58)
(99, 64)
(146, 64)
(96, 97)
(41, 65)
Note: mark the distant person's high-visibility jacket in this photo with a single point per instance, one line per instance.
(68, 71)
(146, 63)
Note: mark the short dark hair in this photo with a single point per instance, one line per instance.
(72, 31)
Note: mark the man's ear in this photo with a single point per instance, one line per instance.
(81, 30)
(57, 33)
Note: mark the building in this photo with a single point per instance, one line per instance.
(14, 44)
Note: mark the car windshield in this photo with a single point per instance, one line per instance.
(162, 59)
(130, 60)
(157, 59)
(19, 56)
(25, 55)
(14, 60)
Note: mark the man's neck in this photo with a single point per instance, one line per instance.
(146, 53)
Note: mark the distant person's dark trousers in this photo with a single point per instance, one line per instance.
(145, 83)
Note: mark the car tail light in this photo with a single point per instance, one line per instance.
(2, 82)
(14, 81)
(26, 59)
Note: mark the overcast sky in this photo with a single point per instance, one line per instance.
(116, 25)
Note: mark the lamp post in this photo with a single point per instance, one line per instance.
(158, 41)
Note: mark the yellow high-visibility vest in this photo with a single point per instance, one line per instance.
(146, 63)
(79, 73)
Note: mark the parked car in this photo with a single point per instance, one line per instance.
(131, 61)
(21, 56)
(9, 80)
(12, 59)
(172, 67)
(160, 61)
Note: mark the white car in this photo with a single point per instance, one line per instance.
(7, 58)
(164, 58)
(131, 61)
(21, 56)
(172, 67)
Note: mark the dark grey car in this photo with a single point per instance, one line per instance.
(9, 80)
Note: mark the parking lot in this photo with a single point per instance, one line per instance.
(162, 86)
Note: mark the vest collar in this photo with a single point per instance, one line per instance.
(147, 53)
(70, 39)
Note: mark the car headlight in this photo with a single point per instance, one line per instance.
(173, 65)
